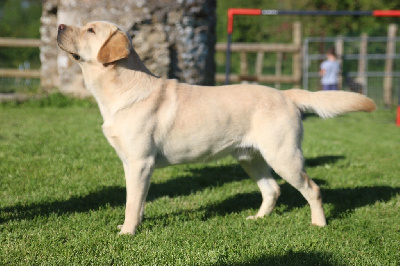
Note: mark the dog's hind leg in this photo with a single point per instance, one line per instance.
(260, 172)
(287, 161)
(280, 146)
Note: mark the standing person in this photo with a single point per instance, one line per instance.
(329, 72)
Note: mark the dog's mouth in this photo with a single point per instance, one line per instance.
(64, 42)
(73, 54)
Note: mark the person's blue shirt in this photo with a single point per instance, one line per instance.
(331, 69)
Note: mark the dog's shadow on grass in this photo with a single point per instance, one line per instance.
(111, 196)
(344, 200)
(294, 258)
(187, 183)
(200, 178)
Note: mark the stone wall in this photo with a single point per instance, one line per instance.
(49, 50)
(175, 38)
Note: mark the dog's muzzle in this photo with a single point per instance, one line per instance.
(61, 30)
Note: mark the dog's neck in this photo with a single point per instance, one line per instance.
(131, 78)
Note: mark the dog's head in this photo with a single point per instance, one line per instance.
(96, 42)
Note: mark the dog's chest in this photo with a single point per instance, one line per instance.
(113, 138)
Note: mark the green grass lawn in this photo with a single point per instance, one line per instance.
(62, 196)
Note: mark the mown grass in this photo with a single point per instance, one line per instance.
(62, 196)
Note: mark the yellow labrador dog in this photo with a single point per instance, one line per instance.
(154, 122)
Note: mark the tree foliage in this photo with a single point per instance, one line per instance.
(278, 28)
(20, 19)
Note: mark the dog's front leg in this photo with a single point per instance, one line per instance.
(137, 177)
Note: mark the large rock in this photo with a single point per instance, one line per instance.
(175, 38)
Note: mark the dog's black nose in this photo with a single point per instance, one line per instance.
(62, 27)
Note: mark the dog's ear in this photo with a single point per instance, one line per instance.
(115, 48)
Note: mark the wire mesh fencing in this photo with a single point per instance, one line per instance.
(366, 65)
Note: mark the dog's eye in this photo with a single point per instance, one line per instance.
(76, 57)
(91, 30)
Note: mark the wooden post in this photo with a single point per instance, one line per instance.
(390, 50)
(259, 64)
(243, 64)
(362, 62)
(278, 68)
(297, 56)
(339, 54)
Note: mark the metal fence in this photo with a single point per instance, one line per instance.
(364, 65)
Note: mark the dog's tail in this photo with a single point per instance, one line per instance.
(330, 103)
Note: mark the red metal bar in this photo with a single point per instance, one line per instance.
(257, 12)
(398, 116)
(240, 11)
(386, 13)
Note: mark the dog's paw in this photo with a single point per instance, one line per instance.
(255, 217)
(321, 223)
(126, 233)
(125, 230)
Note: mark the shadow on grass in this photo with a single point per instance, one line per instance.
(323, 160)
(200, 178)
(215, 176)
(294, 258)
(344, 200)
(106, 196)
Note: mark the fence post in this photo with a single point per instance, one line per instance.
(259, 63)
(362, 62)
(390, 50)
(339, 54)
(278, 68)
(243, 64)
(305, 64)
(297, 55)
